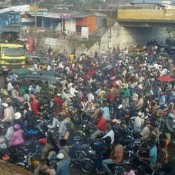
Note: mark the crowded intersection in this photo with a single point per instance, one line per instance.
(104, 113)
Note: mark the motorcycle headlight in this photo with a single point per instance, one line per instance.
(84, 126)
(91, 152)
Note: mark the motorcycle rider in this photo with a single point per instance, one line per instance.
(100, 125)
(115, 158)
(17, 136)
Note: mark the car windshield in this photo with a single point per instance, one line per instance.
(13, 51)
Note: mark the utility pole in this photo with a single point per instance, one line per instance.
(35, 30)
(110, 30)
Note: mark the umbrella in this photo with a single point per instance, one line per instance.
(43, 78)
(165, 78)
(22, 72)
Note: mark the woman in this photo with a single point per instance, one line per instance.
(17, 137)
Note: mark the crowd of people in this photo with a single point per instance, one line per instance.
(111, 87)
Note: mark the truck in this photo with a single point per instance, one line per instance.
(12, 55)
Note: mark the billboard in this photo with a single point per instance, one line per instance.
(85, 32)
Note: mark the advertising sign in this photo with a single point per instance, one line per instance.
(51, 41)
(85, 32)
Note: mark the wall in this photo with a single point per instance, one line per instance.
(126, 36)
(70, 26)
(146, 14)
(89, 21)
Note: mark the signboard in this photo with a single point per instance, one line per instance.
(52, 15)
(85, 32)
(65, 16)
(51, 41)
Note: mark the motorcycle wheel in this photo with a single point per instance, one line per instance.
(87, 166)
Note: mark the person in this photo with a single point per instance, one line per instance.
(72, 91)
(17, 137)
(28, 117)
(65, 95)
(162, 158)
(34, 106)
(64, 148)
(49, 148)
(129, 170)
(62, 167)
(57, 103)
(69, 134)
(162, 100)
(26, 96)
(3, 144)
(106, 113)
(115, 158)
(44, 168)
(154, 131)
(9, 133)
(8, 113)
(145, 132)
(100, 125)
(150, 162)
(139, 103)
(55, 122)
(14, 78)
(138, 123)
(9, 87)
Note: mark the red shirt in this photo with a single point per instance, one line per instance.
(59, 101)
(35, 107)
(101, 124)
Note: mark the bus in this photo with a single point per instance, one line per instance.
(12, 55)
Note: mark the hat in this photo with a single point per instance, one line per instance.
(16, 126)
(17, 115)
(5, 104)
(120, 106)
(58, 94)
(60, 156)
(139, 114)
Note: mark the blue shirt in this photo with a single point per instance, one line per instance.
(63, 168)
(106, 113)
(153, 155)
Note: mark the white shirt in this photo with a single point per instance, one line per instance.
(110, 134)
(48, 67)
(138, 122)
(9, 86)
(9, 133)
(90, 97)
(72, 91)
(145, 132)
(38, 89)
(55, 123)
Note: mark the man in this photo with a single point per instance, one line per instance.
(145, 133)
(152, 159)
(8, 113)
(100, 125)
(162, 100)
(138, 123)
(62, 165)
(9, 86)
(116, 158)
